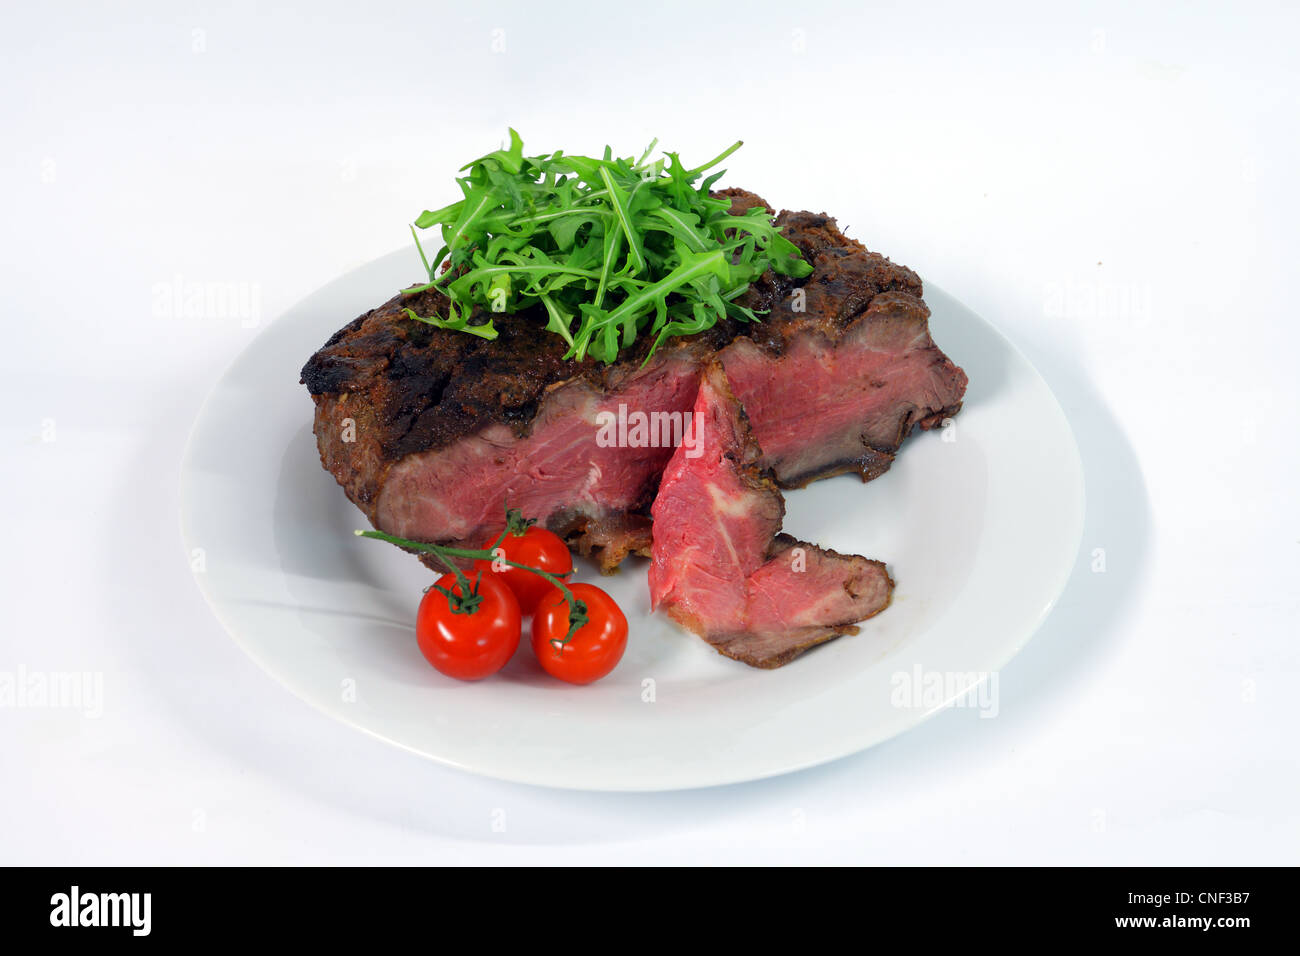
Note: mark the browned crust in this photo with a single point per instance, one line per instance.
(831, 631)
(735, 647)
(607, 540)
(873, 462)
(735, 650)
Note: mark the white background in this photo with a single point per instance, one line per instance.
(1112, 185)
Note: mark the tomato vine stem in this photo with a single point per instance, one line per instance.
(460, 604)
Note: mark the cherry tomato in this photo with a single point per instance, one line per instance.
(537, 548)
(595, 648)
(474, 645)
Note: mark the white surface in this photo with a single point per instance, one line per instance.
(1113, 188)
(980, 529)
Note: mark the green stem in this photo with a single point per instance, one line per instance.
(714, 262)
(716, 159)
(427, 268)
(620, 204)
(577, 609)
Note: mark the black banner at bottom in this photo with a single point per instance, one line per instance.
(338, 905)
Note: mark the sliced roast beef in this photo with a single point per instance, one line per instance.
(719, 565)
(834, 405)
(431, 432)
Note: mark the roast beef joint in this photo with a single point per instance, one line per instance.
(431, 432)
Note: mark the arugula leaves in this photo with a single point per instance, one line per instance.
(610, 248)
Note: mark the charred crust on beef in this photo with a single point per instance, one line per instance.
(431, 386)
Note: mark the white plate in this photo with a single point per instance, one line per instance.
(980, 528)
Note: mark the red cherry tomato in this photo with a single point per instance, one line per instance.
(469, 646)
(595, 648)
(537, 548)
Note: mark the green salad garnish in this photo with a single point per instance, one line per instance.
(611, 248)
